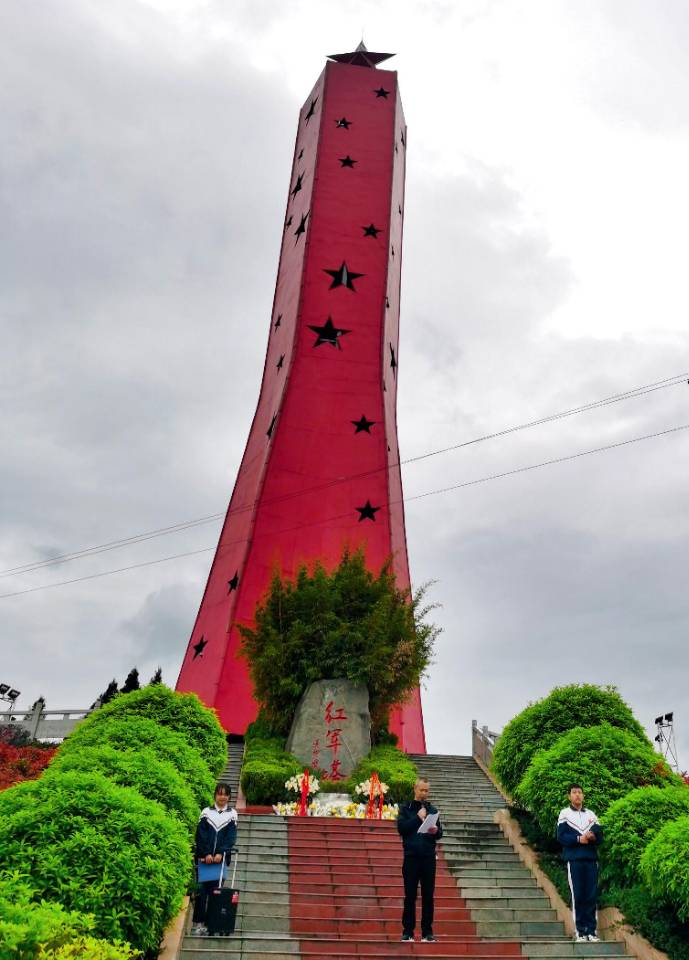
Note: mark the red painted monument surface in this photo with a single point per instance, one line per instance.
(321, 465)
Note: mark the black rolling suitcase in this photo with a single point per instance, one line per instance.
(221, 915)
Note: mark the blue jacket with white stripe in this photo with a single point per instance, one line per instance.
(572, 824)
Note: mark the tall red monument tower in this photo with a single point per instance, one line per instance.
(321, 465)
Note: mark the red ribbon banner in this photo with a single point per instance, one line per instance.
(374, 809)
(304, 795)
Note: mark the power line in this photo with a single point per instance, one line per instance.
(190, 524)
(340, 516)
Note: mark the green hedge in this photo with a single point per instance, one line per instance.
(266, 767)
(153, 778)
(139, 733)
(27, 927)
(631, 823)
(393, 767)
(606, 761)
(664, 866)
(654, 920)
(539, 725)
(181, 712)
(97, 848)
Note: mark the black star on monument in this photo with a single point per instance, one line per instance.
(297, 186)
(233, 583)
(393, 361)
(347, 161)
(392, 251)
(301, 154)
(302, 227)
(280, 361)
(278, 321)
(269, 431)
(396, 151)
(343, 277)
(363, 425)
(387, 303)
(344, 123)
(328, 333)
(198, 648)
(367, 512)
(288, 223)
(371, 231)
(399, 208)
(380, 92)
(402, 140)
(312, 109)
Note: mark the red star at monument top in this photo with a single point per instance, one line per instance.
(361, 57)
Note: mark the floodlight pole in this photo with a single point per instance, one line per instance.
(665, 739)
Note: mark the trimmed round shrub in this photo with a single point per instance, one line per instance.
(137, 733)
(606, 761)
(539, 725)
(664, 866)
(631, 823)
(393, 767)
(141, 769)
(266, 767)
(182, 712)
(98, 848)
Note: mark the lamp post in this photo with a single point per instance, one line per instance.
(9, 695)
(665, 738)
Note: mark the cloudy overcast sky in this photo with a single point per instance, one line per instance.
(145, 150)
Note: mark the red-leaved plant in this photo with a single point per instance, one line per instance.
(22, 763)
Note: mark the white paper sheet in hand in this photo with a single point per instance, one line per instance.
(430, 821)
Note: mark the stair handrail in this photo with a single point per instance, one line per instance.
(483, 743)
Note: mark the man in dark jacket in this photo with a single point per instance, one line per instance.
(418, 866)
(216, 834)
(580, 834)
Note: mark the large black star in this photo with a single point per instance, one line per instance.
(297, 186)
(344, 123)
(343, 277)
(361, 57)
(363, 425)
(278, 321)
(269, 431)
(198, 648)
(393, 361)
(233, 583)
(371, 231)
(302, 227)
(367, 512)
(280, 361)
(312, 109)
(347, 161)
(328, 333)
(380, 92)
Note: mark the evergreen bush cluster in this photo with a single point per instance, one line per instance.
(266, 768)
(349, 623)
(107, 830)
(585, 734)
(393, 767)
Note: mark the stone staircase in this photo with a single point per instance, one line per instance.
(500, 892)
(319, 888)
(233, 768)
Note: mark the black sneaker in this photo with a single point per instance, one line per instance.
(429, 939)
(407, 938)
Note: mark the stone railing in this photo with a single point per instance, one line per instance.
(42, 724)
(483, 741)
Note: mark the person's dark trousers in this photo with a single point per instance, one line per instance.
(583, 885)
(415, 871)
(201, 901)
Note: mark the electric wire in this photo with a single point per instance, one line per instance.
(633, 393)
(418, 496)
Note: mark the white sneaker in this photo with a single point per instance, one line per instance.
(199, 930)
(581, 938)
(592, 938)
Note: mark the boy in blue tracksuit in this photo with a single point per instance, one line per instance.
(216, 834)
(580, 834)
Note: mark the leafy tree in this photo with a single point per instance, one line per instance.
(632, 822)
(132, 681)
(349, 623)
(606, 761)
(110, 691)
(539, 725)
(156, 678)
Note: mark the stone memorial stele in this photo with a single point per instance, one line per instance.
(331, 729)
